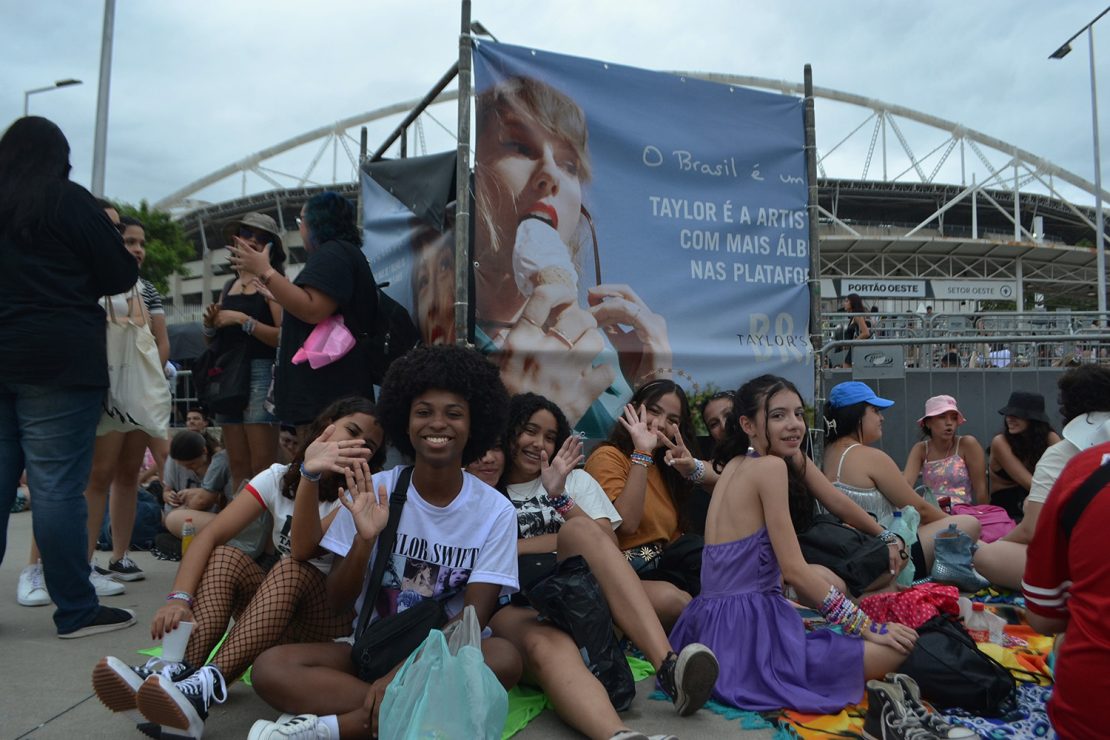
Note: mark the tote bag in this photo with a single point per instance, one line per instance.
(138, 396)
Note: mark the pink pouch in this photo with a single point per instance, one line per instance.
(328, 342)
(994, 522)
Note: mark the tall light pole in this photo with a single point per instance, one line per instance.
(60, 83)
(1100, 241)
(100, 135)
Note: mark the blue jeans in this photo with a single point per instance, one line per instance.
(50, 431)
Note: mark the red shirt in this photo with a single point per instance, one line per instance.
(1070, 579)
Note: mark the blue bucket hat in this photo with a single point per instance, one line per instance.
(853, 392)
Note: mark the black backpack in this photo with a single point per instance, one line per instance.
(382, 326)
(953, 672)
(393, 335)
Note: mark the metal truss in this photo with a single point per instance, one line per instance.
(990, 163)
(966, 184)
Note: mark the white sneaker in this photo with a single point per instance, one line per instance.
(301, 727)
(104, 585)
(32, 589)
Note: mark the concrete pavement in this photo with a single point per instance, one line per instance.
(47, 689)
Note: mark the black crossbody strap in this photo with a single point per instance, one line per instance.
(384, 547)
(1084, 494)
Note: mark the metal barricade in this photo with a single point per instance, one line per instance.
(887, 365)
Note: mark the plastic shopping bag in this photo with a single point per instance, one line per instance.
(331, 340)
(444, 692)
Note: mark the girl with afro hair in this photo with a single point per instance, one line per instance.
(443, 407)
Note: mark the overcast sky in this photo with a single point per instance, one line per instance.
(198, 84)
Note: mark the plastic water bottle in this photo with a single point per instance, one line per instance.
(187, 533)
(908, 532)
(982, 625)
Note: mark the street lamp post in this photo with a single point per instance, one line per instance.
(1100, 241)
(60, 83)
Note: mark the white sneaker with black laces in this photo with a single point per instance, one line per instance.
(181, 707)
(301, 727)
(31, 590)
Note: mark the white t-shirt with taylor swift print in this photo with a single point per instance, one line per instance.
(535, 515)
(438, 549)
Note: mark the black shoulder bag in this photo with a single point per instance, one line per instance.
(381, 646)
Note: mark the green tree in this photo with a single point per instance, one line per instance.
(167, 249)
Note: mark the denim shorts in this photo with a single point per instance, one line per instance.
(262, 373)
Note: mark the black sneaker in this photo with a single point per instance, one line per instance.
(107, 619)
(887, 716)
(933, 722)
(125, 569)
(166, 547)
(688, 678)
(181, 707)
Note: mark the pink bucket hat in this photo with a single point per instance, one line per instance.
(938, 405)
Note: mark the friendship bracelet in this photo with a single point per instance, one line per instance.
(180, 596)
(641, 458)
(837, 609)
(311, 477)
(699, 472)
(561, 504)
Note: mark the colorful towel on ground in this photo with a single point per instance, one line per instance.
(1026, 653)
(526, 703)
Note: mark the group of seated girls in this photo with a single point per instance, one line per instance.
(498, 478)
(443, 408)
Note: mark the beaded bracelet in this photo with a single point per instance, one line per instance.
(180, 596)
(561, 504)
(699, 472)
(837, 609)
(639, 457)
(311, 477)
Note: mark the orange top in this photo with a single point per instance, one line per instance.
(659, 523)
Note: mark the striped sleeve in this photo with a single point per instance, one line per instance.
(152, 298)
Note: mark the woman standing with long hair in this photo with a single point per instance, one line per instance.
(121, 445)
(59, 254)
(245, 315)
(336, 280)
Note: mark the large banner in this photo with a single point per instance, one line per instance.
(633, 225)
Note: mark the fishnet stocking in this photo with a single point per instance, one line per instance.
(229, 582)
(290, 606)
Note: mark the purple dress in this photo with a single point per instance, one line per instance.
(768, 660)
